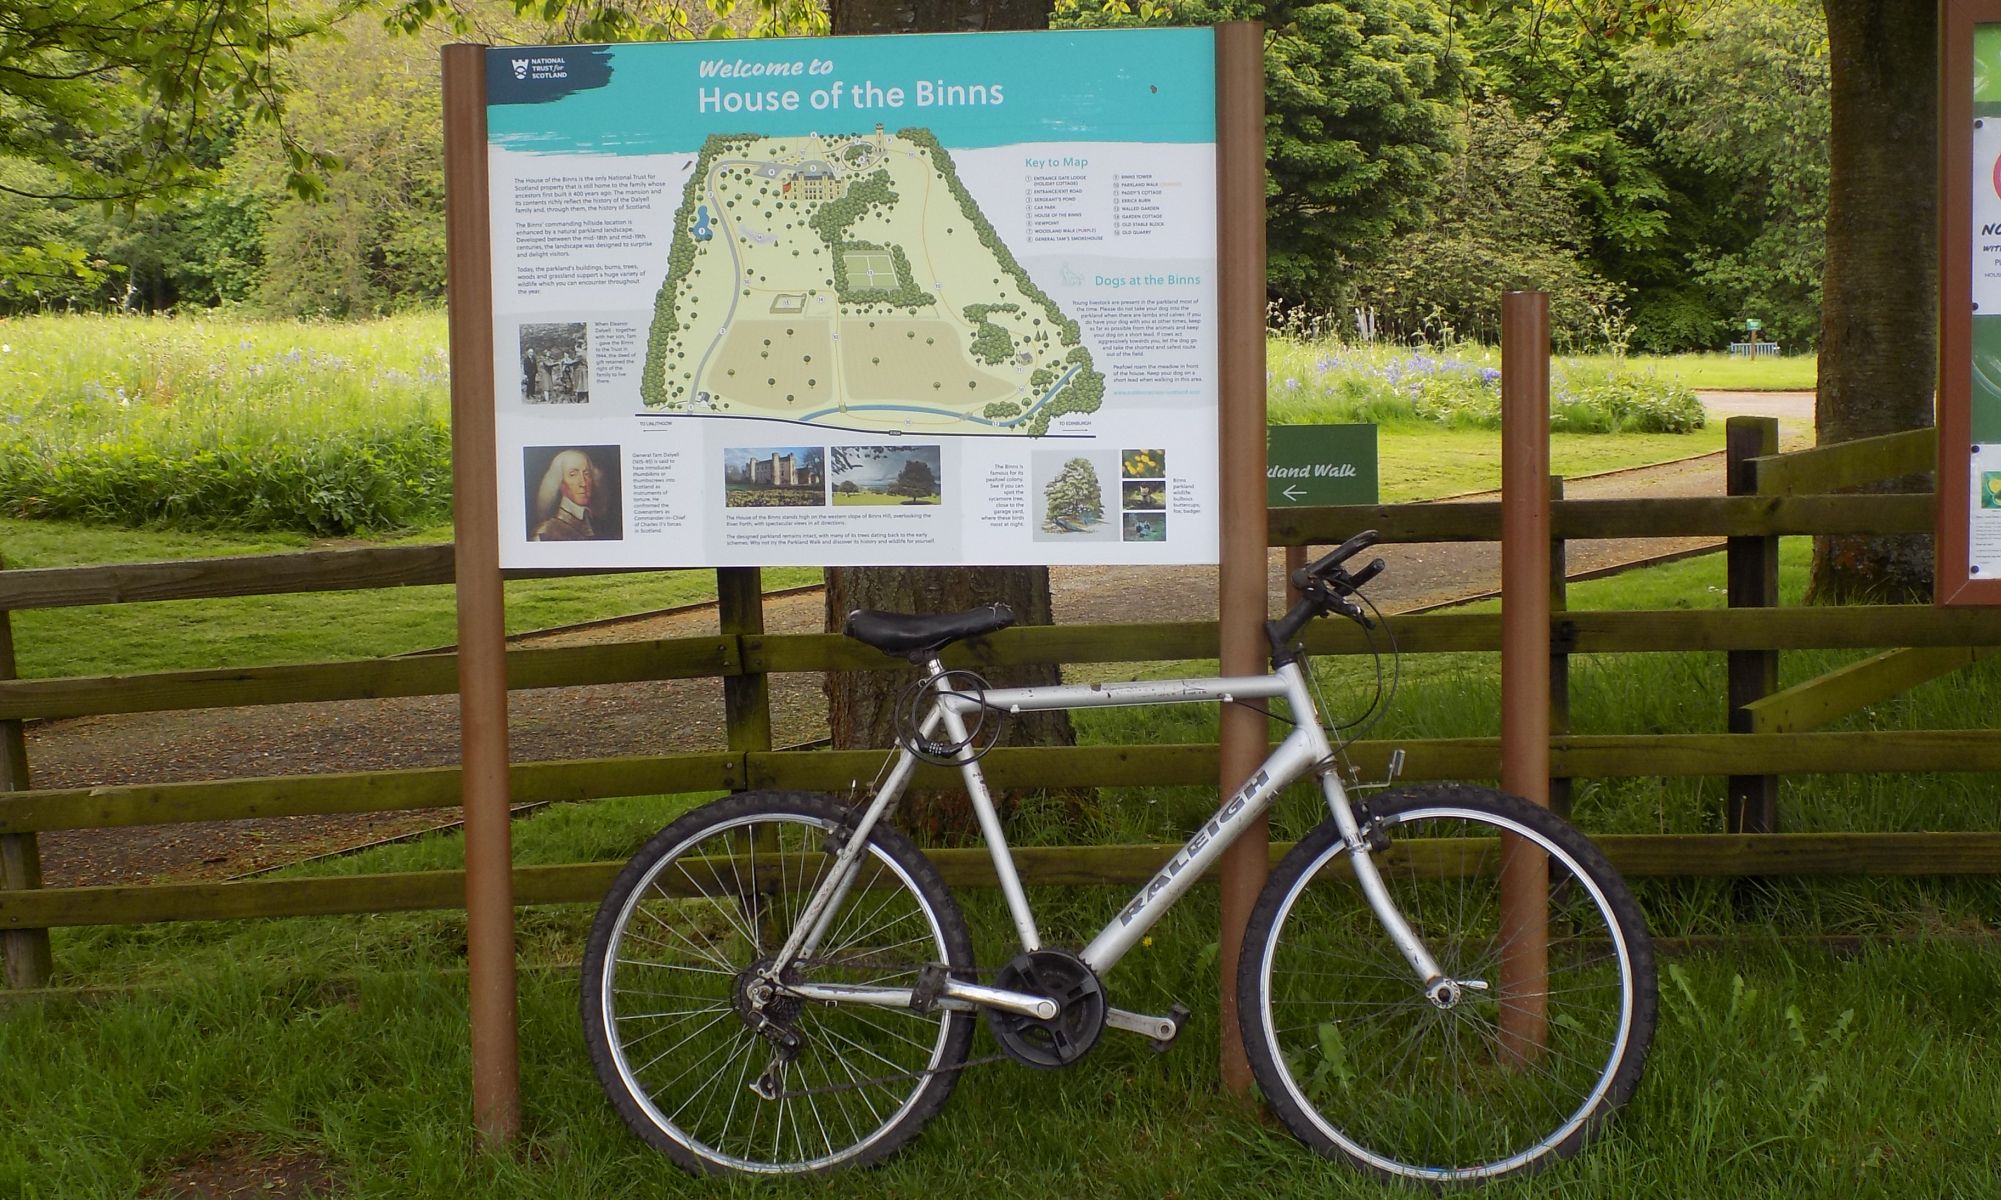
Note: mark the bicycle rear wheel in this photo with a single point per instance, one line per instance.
(681, 938)
(1360, 1062)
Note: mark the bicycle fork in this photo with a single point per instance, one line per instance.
(1440, 989)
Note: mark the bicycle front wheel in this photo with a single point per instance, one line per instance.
(691, 926)
(1502, 1072)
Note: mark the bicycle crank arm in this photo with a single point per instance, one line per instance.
(952, 993)
(1161, 1031)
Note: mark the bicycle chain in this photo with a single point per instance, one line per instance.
(893, 1076)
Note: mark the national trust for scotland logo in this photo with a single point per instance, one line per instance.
(520, 68)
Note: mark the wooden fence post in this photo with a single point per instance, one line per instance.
(746, 697)
(1525, 655)
(29, 963)
(1560, 641)
(1752, 581)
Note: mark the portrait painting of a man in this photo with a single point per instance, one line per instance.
(572, 493)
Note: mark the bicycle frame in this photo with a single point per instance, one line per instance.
(1305, 749)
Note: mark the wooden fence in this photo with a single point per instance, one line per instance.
(1772, 732)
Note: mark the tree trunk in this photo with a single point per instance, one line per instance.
(862, 704)
(1879, 317)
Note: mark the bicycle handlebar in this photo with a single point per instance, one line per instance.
(1327, 587)
(1324, 566)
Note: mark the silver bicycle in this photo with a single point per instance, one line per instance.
(782, 983)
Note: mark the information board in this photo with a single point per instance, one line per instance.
(1969, 417)
(941, 299)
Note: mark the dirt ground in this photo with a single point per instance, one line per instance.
(666, 716)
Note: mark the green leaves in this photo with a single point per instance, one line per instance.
(1359, 123)
(1333, 1065)
(139, 106)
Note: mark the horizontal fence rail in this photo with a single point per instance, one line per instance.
(1845, 464)
(1572, 632)
(1781, 499)
(365, 679)
(1460, 521)
(1192, 763)
(1706, 855)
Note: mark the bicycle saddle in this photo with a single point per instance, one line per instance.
(921, 635)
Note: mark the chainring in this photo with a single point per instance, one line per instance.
(1080, 1013)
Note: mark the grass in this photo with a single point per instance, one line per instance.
(1724, 373)
(1779, 1069)
(333, 429)
(190, 385)
(1325, 380)
(173, 635)
(1427, 462)
(867, 499)
(214, 422)
(1702, 372)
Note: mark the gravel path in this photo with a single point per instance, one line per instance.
(662, 717)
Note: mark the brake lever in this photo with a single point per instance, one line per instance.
(1353, 611)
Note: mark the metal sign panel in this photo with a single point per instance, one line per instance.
(1309, 466)
(1969, 415)
(941, 299)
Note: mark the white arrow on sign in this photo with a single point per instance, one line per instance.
(1292, 493)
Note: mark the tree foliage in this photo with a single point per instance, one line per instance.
(118, 120)
(1740, 108)
(1506, 219)
(118, 100)
(374, 239)
(1424, 154)
(916, 480)
(1359, 124)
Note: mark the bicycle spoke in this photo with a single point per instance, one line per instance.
(850, 1082)
(1371, 1067)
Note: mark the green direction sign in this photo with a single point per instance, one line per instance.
(1753, 324)
(1312, 465)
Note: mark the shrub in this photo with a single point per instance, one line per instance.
(1626, 402)
(260, 426)
(1461, 388)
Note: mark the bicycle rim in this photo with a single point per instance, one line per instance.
(692, 924)
(1369, 1066)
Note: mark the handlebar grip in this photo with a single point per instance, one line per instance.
(1367, 573)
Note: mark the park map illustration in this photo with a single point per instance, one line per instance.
(850, 281)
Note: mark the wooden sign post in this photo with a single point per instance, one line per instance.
(496, 1061)
(1241, 603)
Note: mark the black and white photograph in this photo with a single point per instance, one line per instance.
(555, 363)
